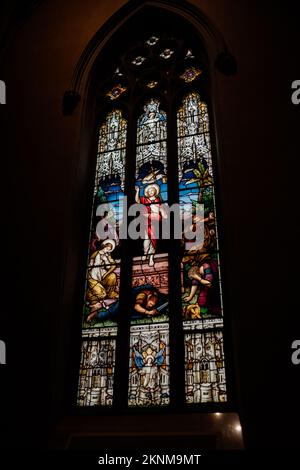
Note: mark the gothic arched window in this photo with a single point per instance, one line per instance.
(152, 331)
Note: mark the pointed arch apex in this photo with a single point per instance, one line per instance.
(212, 37)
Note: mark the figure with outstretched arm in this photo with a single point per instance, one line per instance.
(154, 212)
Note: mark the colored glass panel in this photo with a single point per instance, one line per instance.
(116, 91)
(192, 117)
(190, 74)
(101, 301)
(150, 286)
(151, 153)
(201, 290)
(204, 367)
(149, 366)
(97, 372)
(102, 294)
(149, 308)
(198, 207)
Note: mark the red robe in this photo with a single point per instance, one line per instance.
(152, 228)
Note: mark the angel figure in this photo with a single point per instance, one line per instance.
(147, 365)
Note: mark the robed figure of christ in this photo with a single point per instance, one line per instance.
(154, 213)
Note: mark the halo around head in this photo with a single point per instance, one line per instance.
(109, 241)
(151, 186)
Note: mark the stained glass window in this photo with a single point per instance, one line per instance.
(100, 310)
(201, 286)
(134, 316)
